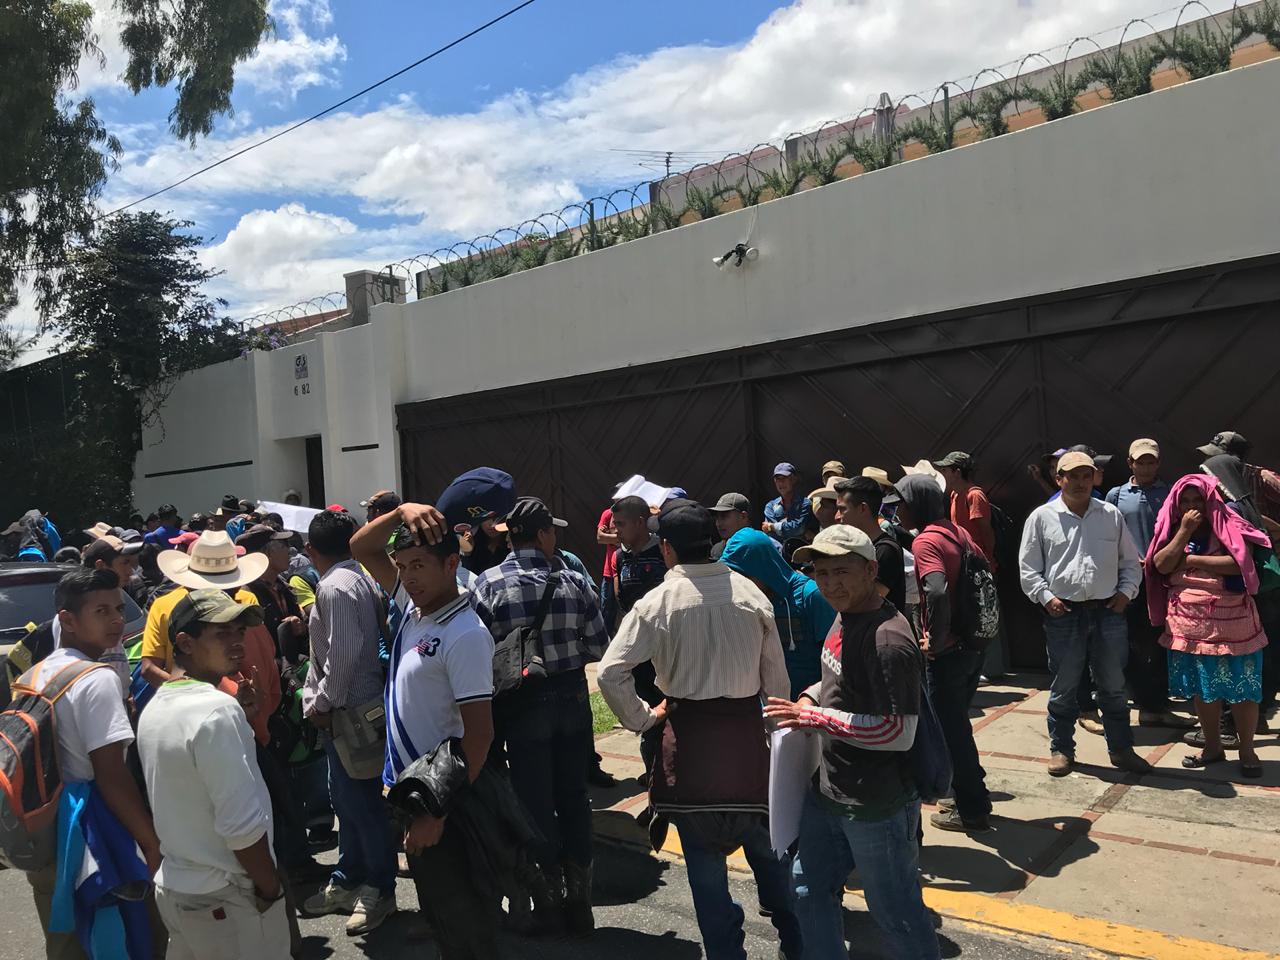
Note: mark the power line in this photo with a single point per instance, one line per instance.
(327, 110)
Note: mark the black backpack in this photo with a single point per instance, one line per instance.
(976, 617)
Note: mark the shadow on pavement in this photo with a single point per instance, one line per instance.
(625, 874)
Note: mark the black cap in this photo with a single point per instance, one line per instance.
(684, 523)
(167, 510)
(1228, 442)
(231, 502)
(384, 501)
(477, 494)
(256, 538)
(528, 516)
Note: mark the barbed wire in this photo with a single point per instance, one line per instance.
(1033, 89)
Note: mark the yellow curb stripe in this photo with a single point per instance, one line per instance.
(1030, 920)
(1089, 932)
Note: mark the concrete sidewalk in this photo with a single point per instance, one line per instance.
(1177, 865)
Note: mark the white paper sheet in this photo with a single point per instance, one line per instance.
(793, 757)
(638, 486)
(295, 518)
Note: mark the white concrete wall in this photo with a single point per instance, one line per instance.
(210, 418)
(1176, 179)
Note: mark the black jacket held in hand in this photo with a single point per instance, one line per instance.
(499, 833)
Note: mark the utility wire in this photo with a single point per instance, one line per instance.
(327, 110)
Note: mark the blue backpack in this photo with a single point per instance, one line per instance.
(930, 758)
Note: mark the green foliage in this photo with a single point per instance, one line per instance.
(1125, 75)
(786, 180)
(602, 718)
(822, 166)
(987, 112)
(133, 317)
(196, 42)
(935, 134)
(55, 153)
(1057, 99)
(1266, 21)
(874, 153)
(1206, 50)
(705, 203)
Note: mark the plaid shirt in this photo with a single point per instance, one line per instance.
(506, 597)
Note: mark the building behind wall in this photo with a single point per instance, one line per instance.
(1103, 277)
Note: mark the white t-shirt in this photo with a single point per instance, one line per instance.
(88, 716)
(204, 784)
(439, 661)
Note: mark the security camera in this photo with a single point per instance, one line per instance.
(740, 254)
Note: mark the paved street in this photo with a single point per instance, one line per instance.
(1097, 864)
(645, 914)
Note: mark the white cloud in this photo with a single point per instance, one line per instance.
(451, 176)
(295, 59)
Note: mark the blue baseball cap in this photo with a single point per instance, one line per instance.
(784, 469)
(477, 494)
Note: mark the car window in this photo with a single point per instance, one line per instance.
(23, 603)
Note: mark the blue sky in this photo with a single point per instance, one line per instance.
(526, 117)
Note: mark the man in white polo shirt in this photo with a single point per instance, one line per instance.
(440, 687)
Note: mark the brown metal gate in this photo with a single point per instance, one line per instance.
(1176, 358)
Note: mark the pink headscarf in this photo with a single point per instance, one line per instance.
(1233, 531)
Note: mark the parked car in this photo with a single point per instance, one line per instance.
(26, 598)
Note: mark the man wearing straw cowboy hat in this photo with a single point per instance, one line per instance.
(212, 561)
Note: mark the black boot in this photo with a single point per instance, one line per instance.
(547, 893)
(579, 920)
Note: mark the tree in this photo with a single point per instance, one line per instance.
(56, 153)
(132, 318)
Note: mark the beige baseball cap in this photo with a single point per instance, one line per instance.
(840, 540)
(1075, 458)
(1142, 447)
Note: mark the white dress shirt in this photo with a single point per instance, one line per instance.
(1077, 558)
(709, 632)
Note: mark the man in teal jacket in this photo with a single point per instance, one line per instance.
(804, 618)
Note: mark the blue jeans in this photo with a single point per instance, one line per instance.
(1088, 634)
(366, 846)
(547, 728)
(707, 839)
(953, 680)
(888, 858)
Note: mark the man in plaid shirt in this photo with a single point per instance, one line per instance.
(546, 722)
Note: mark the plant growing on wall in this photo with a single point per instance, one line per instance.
(1206, 50)
(705, 203)
(786, 180)
(987, 112)
(935, 134)
(1057, 99)
(1266, 21)
(1124, 75)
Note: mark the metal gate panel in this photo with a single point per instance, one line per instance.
(1175, 357)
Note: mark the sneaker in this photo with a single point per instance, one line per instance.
(1060, 764)
(1195, 738)
(946, 803)
(950, 819)
(334, 898)
(1165, 718)
(370, 909)
(1130, 762)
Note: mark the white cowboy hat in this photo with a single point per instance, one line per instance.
(212, 562)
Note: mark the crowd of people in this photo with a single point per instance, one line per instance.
(421, 679)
